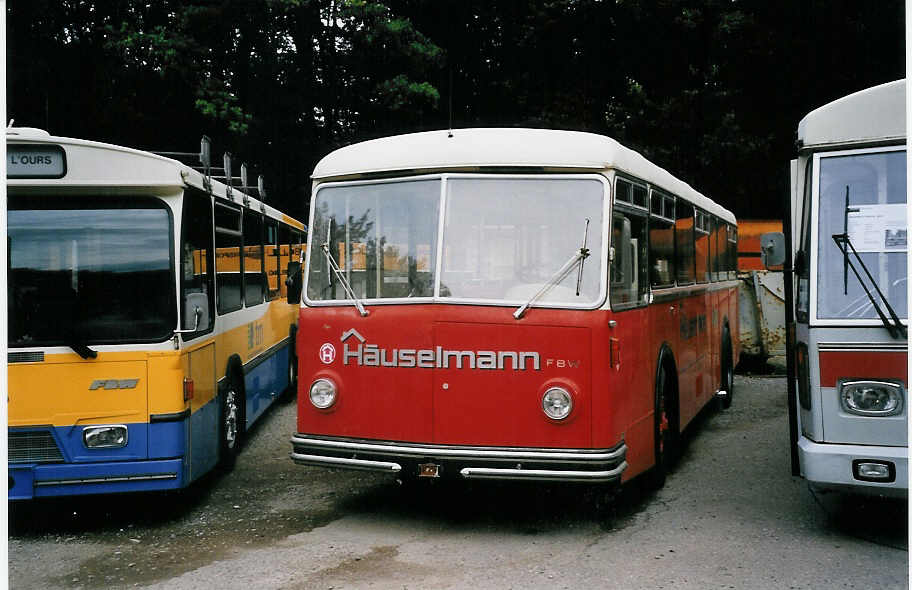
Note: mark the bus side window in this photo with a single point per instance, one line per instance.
(628, 269)
(702, 248)
(196, 263)
(629, 281)
(684, 243)
(273, 260)
(713, 249)
(253, 258)
(284, 257)
(661, 240)
(228, 257)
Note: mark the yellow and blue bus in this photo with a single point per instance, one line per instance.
(150, 324)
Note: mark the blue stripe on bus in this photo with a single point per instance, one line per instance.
(69, 439)
(264, 383)
(204, 442)
(155, 456)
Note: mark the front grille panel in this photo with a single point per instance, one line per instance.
(25, 357)
(36, 446)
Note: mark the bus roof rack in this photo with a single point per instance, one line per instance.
(205, 167)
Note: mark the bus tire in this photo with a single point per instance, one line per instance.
(665, 426)
(728, 371)
(230, 425)
(290, 393)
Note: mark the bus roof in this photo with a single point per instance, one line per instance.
(499, 149)
(873, 115)
(94, 164)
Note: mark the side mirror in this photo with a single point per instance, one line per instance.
(772, 249)
(196, 313)
(294, 283)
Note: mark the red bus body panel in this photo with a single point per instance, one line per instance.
(607, 360)
(447, 403)
(836, 365)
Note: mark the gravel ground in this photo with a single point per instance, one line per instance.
(730, 516)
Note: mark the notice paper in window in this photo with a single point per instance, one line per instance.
(878, 228)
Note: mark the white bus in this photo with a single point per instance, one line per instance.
(149, 324)
(847, 338)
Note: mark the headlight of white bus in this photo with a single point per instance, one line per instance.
(871, 398)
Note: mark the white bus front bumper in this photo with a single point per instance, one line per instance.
(828, 466)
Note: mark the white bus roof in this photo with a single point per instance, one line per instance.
(542, 150)
(873, 115)
(93, 164)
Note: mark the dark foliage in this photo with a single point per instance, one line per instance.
(712, 90)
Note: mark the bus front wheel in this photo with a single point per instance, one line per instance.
(229, 426)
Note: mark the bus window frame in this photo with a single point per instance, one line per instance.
(693, 245)
(191, 192)
(663, 198)
(273, 255)
(240, 249)
(815, 321)
(702, 227)
(173, 260)
(443, 178)
(628, 206)
(264, 283)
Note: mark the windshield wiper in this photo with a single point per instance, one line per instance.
(893, 324)
(338, 272)
(80, 348)
(578, 256)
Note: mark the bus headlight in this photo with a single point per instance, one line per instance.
(557, 403)
(104, 437)
(871, 398)
(323, 393)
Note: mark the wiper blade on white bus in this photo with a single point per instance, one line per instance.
(341, 276)
(893, 324)
(578, 257)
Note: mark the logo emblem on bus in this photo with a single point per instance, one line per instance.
(361, 354)
(327, 353)
(114, 384)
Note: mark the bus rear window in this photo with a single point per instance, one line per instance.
(90, 271)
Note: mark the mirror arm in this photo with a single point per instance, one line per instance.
(199, 314)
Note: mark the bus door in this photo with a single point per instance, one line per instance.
(198, 362)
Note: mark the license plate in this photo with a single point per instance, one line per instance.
(428, 470)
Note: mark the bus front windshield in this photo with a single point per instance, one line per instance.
(89, 271)
(503, 240)
(875, 222)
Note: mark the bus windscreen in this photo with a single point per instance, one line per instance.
(874, 220)
(83, 271)
(503, 240)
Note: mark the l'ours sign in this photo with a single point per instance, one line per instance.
(35, 161)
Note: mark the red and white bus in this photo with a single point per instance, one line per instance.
(510, 304)
(847, 344)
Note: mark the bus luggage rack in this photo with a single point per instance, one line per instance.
(205, 167)
(33, 447)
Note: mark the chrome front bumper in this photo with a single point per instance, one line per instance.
(515, 463)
